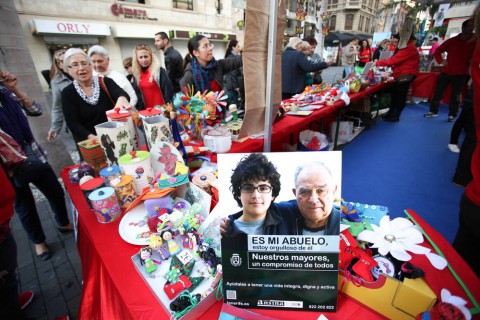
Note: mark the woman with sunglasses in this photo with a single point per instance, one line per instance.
(60, 81)
(204, 72)
(151, 77)
(86, 101)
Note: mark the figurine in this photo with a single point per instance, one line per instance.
(156, 243)
(233, 111)
(173, 248)
(145, 259)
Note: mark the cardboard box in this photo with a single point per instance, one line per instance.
(92, 151)
(390, 297)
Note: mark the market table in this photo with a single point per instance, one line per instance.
(113, 289)
(289, 126)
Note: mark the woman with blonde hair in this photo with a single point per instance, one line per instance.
(384, 45)
(151, 77)
(60, 80)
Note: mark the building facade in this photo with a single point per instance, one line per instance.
(120, 26)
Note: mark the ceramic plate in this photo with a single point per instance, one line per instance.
(133, 225)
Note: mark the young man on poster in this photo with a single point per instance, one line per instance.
(296, 269)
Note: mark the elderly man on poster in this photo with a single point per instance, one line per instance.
(311, 213)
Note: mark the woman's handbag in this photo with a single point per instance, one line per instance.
(404, 78)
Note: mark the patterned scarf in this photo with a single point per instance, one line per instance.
(203, 75)
(12, 118)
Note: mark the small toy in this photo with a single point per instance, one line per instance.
(156, 243)
(145, 259)
(167, 235)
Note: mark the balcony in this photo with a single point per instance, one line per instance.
(353, 4)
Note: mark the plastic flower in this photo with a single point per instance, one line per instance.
(396, 237)
(458, 302)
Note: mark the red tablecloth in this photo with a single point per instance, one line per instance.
(293, 125)
(424, 86)
(112, 288)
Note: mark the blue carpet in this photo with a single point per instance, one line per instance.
(406, 165)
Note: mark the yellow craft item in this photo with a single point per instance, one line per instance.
(180, 168)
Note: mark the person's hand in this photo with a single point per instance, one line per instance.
(8, 80)
(330, 63)
(52, 135)
(91, 136)
(123, 104)
(223, 226)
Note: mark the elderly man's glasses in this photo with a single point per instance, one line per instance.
(319, 192)
(77, 65)
(249, 188)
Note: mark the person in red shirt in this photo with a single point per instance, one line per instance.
(455, 69)
(468, 235)
(364, 53)
(405, 69)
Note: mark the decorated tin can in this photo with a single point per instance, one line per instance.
(157, 130)
(110, 173)
(115, 140)
(124, 116)
(105, 204)
(137, 164)
(124, 190)
(91, 185)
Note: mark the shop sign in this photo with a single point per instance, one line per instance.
(181, 34)
(69, 27)
(129, 13)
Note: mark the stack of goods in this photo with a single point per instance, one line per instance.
(385, 265)
(93, 154)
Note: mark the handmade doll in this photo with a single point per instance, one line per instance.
(156, 243)
(145, 259)
(173, 248)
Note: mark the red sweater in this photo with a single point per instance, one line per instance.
(472, 190)
(404, 61)
(459, 55)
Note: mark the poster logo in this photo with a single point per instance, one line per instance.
(235, 260)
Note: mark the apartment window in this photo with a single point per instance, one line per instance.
(292, 6)
(332, 24)
(349, 21)
(376, 5)
(370, 2)
(332, 4)
(360, 23)
(367, 25)
(311, 8)
(183, 4)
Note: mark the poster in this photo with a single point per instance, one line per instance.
(440, 15)
(296, 270)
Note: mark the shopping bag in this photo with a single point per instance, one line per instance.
(345, 131)
(312, 141)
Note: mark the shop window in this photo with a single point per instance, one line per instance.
(349, 21)
(183, 4)
(332, 24)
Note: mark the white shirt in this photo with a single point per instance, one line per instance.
(122, 82)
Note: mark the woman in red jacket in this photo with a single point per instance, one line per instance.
(364, 53)
(405, 69)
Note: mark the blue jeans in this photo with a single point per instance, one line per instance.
(9, 305)
(25, 207)
(457, 83)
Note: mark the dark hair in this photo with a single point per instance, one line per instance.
(194, 43)
(396, 36)
(435, 39)
(254, 167)
(361, 44)
(162, 35)
(232, 44)
(186, 60)
(311, 40)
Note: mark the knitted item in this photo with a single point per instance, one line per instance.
(203, 75)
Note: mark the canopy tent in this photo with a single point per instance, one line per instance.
(334, 38)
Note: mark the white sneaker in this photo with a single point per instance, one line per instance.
(453, 148)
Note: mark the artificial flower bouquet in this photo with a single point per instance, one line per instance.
(387, 265)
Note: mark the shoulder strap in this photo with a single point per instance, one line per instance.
(104, 87)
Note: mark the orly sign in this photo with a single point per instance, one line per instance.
(69, 27)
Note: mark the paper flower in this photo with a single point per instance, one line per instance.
(458, 302)
(396, 237)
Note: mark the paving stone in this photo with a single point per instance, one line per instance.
(51, 291)
(65, 272)
(28, 273)
(56, 308)
(71, 289)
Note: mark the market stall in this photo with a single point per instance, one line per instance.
(114, 289)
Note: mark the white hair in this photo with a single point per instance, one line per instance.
(96, 49)
(72, 51)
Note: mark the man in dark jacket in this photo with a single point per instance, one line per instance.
(294, 67)
(173, 59)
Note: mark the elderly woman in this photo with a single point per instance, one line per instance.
(100, 62)
(204, 72)
(60, 81)
(151, 76)
(86, 101)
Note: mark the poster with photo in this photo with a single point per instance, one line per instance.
(280, 246)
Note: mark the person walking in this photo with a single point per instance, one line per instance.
(173, 59)
(459, 50)
(349, 55)
(59, 81)
(34, 168)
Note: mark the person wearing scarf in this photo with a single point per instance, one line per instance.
(14, 104)
(205, 72)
